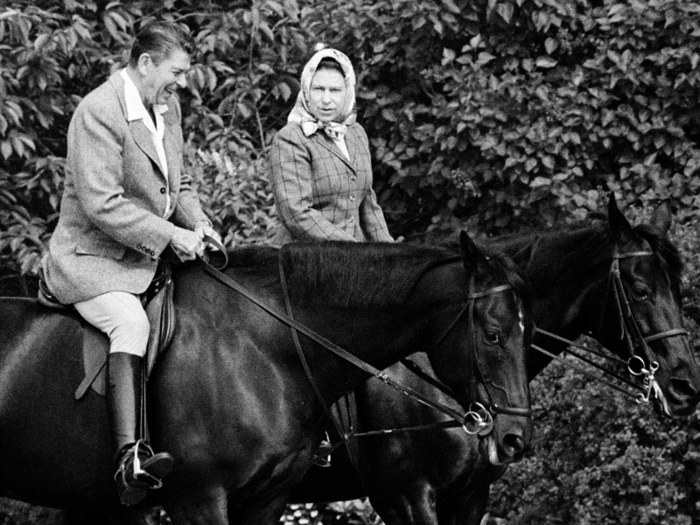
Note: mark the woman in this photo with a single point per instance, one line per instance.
(126, 200)
(320, 161)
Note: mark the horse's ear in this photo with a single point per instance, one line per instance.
(619, 225)
(662, 218)
(470, 252)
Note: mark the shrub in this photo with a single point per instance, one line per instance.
(518, 112)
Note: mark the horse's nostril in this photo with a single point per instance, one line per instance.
(683, 389)
(513, 444)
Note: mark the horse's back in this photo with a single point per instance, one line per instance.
(54, 449)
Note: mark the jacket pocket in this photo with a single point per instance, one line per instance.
(101, 248)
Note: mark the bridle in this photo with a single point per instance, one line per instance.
(481, 416)
(629, 331)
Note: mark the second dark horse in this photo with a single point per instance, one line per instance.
(438, 476)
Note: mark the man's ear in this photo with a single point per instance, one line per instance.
(144, 63)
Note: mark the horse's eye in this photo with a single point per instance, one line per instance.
(641, 293)
(492, 337)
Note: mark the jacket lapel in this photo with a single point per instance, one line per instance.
(328, 143)
(138, 129)
(351, 143)
(173, 154)
(144, 140)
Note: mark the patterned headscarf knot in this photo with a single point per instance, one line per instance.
(301, 112)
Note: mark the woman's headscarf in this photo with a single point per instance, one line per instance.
(301, 113)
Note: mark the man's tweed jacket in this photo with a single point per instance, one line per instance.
(111, 229)
(321, 195)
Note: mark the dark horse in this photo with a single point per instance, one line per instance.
(437, 476)
(230, 399)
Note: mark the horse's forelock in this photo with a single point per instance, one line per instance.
(513, 274)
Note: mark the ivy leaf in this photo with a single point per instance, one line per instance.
(448, 56)
(538, 182)
(545, 62)
(506, 11)
(485, 58)
(6, 149)
(451, 6)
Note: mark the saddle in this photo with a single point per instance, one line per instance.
(158, 303)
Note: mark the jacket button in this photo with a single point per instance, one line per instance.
(162, 191)
(352, 198)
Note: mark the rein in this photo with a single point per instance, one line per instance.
(629, 331)
(314, 336)
(478, 420)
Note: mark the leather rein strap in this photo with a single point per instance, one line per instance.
(314, 336)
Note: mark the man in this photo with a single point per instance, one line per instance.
(126, 200)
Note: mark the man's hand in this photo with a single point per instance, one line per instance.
(204, 228)
(187, 244)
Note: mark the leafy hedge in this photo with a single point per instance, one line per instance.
(597, 458)
(501, 112)
(519, 111)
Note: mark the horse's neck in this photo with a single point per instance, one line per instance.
(565, 306)
(383, 337)
(382, 340)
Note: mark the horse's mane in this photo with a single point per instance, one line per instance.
(351, 275)
(342, 274)
(587, 247)
(356, 274)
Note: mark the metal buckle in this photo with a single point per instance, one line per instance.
(481, 420)
(636, 366)
(649, 381)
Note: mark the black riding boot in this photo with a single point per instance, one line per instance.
(138, 468)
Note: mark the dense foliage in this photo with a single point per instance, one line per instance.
(519, 112)
(497, 114)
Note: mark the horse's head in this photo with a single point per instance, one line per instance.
(490, 348)
(642, 319)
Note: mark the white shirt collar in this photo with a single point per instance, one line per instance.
(135, 109)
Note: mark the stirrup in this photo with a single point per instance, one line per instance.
(322, 456)
(136, 474)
